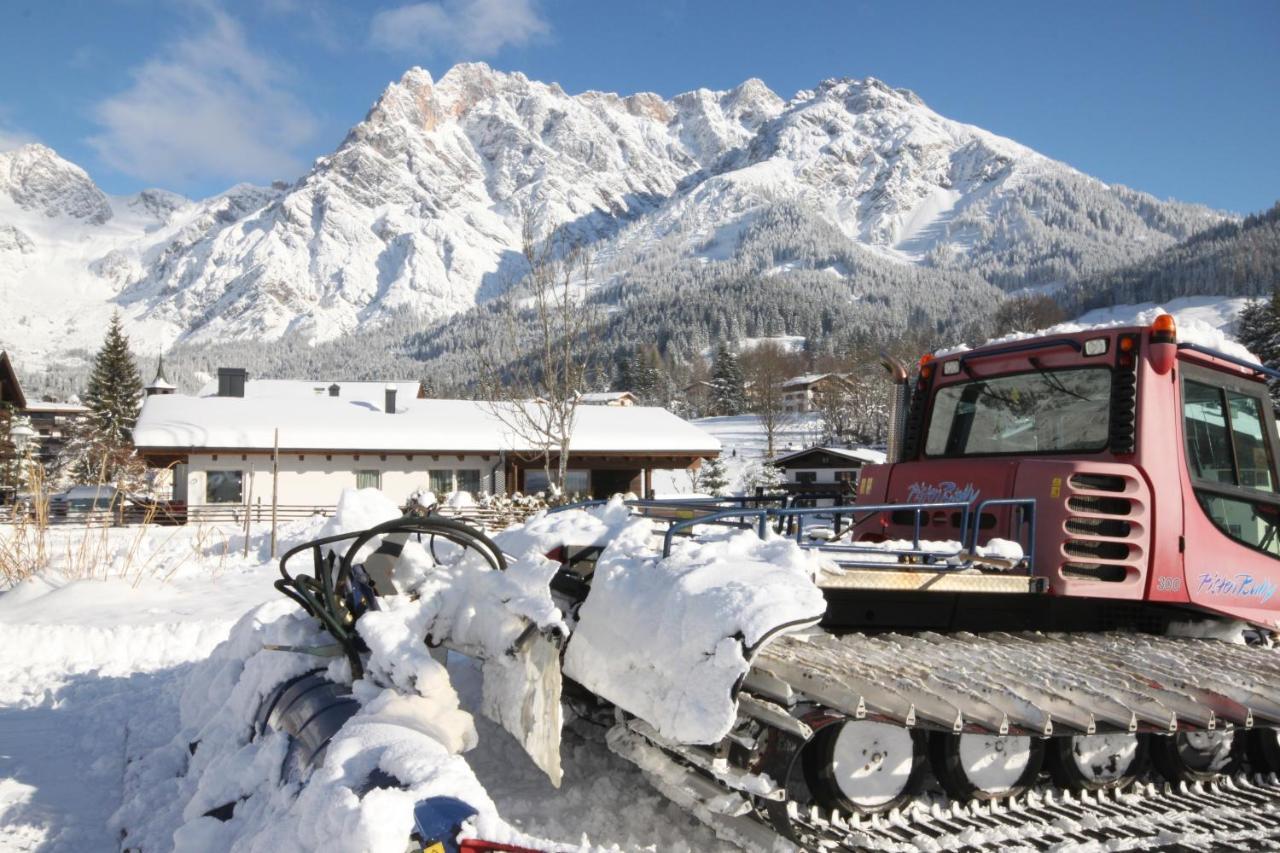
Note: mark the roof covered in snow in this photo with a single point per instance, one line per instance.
(179, 423)
(597, 397)
(859, 455)
(368, 392)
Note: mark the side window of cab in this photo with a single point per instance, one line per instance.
(1230, 438)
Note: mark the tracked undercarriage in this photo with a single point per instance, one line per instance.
(869, 742)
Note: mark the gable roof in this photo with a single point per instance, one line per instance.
(10, 387)
(858, 455)
(177, 422)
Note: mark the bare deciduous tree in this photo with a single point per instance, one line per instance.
(533, 378)
(767, 368)
(1027, 314)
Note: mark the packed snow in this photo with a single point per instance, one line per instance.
(667, 639)
(1205, 321)
(128, 692)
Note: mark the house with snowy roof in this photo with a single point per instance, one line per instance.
(608, 398)
(831, 472)
(52, 421)
(328, 436)
(800, 393)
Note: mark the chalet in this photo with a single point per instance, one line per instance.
(826, 470)
(53, 422)
(335, 435)
(800, 393)
(608, 398)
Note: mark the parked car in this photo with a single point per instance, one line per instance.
(86, 501)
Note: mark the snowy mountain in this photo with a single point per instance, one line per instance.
(419, 211)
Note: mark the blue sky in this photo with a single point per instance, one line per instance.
(1178, 99)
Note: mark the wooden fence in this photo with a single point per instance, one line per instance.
(488, 518)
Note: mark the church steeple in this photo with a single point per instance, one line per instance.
(160, 385)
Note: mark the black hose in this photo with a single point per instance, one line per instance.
(321, 596)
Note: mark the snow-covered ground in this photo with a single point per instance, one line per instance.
(743, 445)
(92, 672)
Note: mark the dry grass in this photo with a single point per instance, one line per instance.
(97, 549)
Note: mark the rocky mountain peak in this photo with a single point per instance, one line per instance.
(37, 179)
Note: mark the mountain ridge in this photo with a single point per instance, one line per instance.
(420, 209)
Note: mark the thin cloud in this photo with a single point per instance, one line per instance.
(11, 138)
(205, 107)
(457, 27)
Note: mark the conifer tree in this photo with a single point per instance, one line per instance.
(114, 397)
(713, 479)
(728, 394)
(1258, 328)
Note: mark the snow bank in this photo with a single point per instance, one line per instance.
(889, 550)
(1196, 325)
(410, 724)
(668, 639)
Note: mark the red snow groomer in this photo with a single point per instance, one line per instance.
(1027, 606)
(1138, 476)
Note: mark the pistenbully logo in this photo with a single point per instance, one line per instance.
(944, 492)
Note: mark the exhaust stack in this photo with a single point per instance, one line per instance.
(898, 399)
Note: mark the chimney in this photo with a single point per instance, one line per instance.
(334, 390)
(231, 381)
(391, 399)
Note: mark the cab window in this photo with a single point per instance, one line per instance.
(1230, 457)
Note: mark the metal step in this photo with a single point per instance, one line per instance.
(1031, 682)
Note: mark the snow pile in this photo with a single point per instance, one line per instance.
(668, 639)
(1194, 325)
(889, 550)
(409, 726)
(414, 734)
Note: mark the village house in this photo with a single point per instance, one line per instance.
(826, 471)
(800, 393)
(608, 398)
(336, 435)
(52, 421)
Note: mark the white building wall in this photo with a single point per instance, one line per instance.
(822, 475)
(317, 479)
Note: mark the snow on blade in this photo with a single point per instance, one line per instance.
(667, 639)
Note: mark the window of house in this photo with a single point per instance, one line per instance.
(535, 480)
(806, 476)
(368, 479)
(441, 482)
(1231, 461)
(469, 480)
(577, 482)
(224, 487)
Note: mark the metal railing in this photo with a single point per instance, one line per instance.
(791, 521)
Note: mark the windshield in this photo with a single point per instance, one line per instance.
(1046, 411)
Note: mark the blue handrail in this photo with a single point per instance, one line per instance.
(760, 518)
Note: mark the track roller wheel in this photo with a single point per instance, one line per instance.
(985, 767)
(1197, 756)
(1094, 762)
(1264, 750)
(864, 766)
